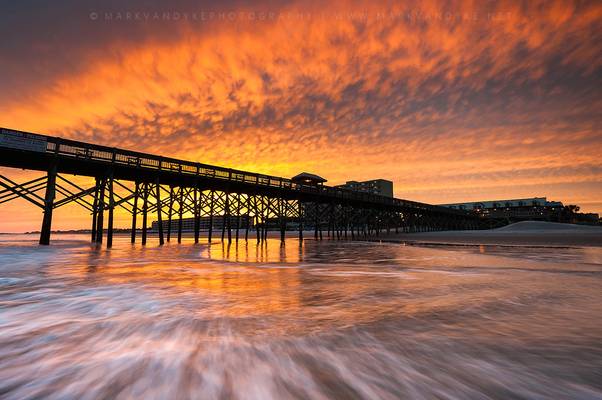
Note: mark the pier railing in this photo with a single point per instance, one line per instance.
(94, 152)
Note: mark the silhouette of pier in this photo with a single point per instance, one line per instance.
(145, 185)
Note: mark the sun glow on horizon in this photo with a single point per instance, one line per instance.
(501, 104)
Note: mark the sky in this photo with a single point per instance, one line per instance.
(451, 100)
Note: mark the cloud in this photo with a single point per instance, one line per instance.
(437, 95)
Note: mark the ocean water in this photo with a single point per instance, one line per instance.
(325, 320)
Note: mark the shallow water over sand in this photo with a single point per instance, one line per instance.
(328, 320)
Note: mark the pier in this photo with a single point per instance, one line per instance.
(165, 188)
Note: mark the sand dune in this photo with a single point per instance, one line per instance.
(528, 233)
(530, 226)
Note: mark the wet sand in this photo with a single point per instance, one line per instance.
(323, 320)
(530, 233)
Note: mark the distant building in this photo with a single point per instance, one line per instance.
(587, 218)
(513, 210)
(499, 204)
(381, 187)
(188, 223)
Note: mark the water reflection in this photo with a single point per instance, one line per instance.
(270, 251)
(323, 320)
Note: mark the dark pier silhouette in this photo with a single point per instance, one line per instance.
(145, 184)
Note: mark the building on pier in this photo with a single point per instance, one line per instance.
(305, 178)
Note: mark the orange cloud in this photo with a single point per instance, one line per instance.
(440, 97)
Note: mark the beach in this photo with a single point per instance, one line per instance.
(528, 233)
(330, 319)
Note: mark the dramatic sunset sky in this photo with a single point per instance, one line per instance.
(451, 100)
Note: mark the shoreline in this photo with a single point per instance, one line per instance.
(531, 234)
(429, 243)
(527, 234)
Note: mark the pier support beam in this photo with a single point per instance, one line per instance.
(135, 212)
(226, 217)
(144, 211)
(159, 212)
(94, 210)
(248, 223)
(170, 212)
(257, 214)
(198, 197)
(237, 215)
(300, 213)
(180, 212)
(211, 209)
(316, 221)
(111, 209)
(48, 205)
(101, 210)
(283, 208)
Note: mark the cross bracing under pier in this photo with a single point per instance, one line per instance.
(166, 189)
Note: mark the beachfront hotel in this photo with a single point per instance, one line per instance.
(526, 209)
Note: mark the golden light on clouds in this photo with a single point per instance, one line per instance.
(451, 100)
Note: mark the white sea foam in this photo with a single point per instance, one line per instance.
(384, 322)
